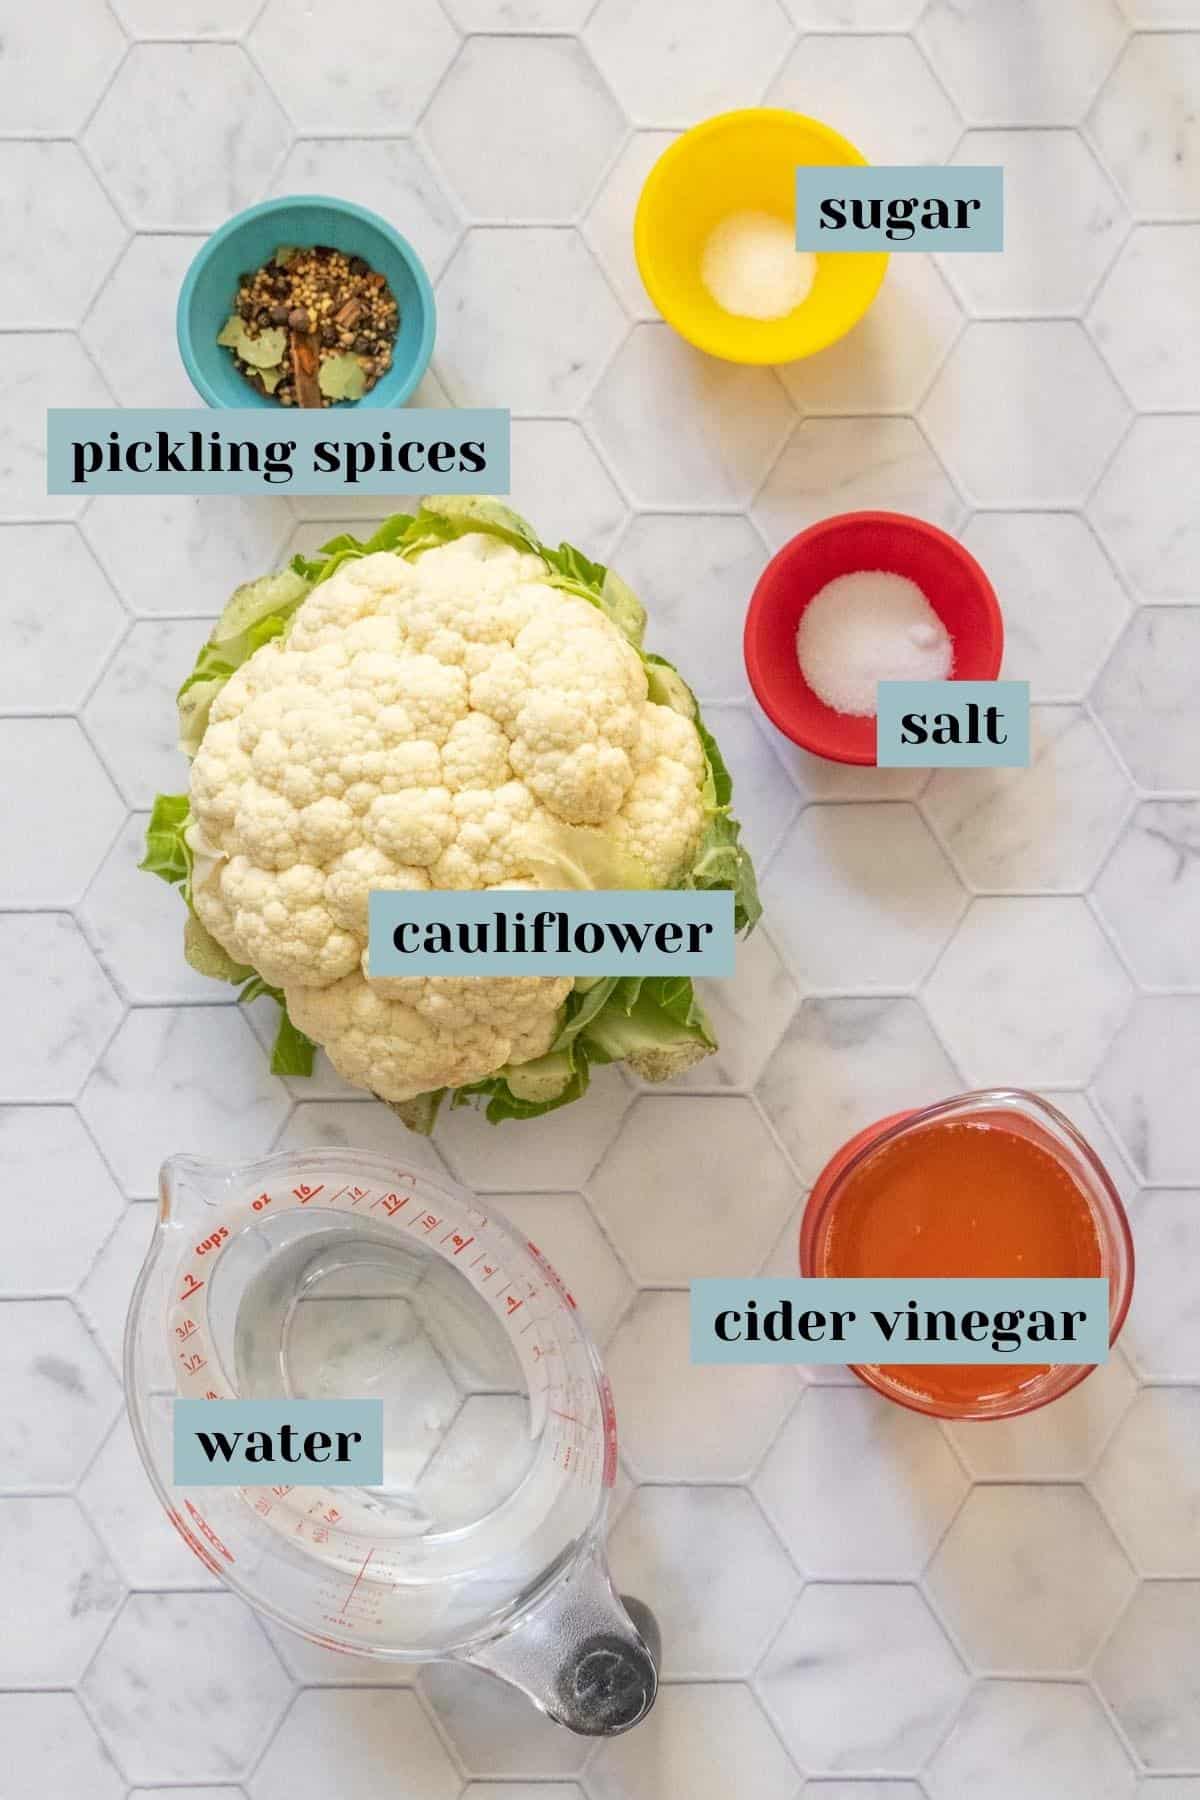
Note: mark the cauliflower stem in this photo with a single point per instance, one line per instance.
(450, 703)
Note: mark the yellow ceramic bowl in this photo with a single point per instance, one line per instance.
(745, 162)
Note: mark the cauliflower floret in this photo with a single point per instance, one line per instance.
(420, 721)
(402, 1037)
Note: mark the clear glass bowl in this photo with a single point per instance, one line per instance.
(1032, 1116)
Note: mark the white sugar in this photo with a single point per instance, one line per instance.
(752, 268)
(866, 628)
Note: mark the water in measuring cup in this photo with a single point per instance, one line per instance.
(338, 1311)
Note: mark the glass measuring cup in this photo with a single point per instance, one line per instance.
(337, 1274)
(1032, 1121)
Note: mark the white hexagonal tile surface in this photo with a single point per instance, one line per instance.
(1145, 126)
(58, 637)
(1149, 893)
(1030, 1578)
(715, 1736)
(1143, 697)
(1143, 514)
(45, 1150)
(679, 1203)
(729, 422)
(1028, 991)
(879, 90)
(1046, 826)
(1039, 564)
(1148, 1481)
(1025, 414)
(1040, 66)
(1149, 1676)
(39, 370)
(908, 1682)
(719, 1577)
(524, 94)
(173, 1662)
(62, 1398)
(209, 91)
(1139, 321)
(842, 1064)
(545, 354)
(52, 261)
(676, 61)
(1060, 1441)
(698, 571)
(57, 1573)
(859, 1487)
(860, 930)
(52, 983)
(58, 59)
(1163, 1333)
(392, 176)
(50, 1747)
(888, 361)
(337, 1727)
(1063, 224)
(848, 465)
(1149, 1086)
(660, 1394)
(1056, 1735)
(354, 85)
(188, 1078)
(71, 789)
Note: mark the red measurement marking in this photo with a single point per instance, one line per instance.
(212, 1395)
(203, 1526)
(193, 1363)
(281, 1493)
(304, 1193)
(355, 1582)
(357, 1194)
(429, 1220)
(479, 1259)
(190, 1286)
(188, 1329)
(512, 1305)
(391, 1204)
(333, 1515)
(263, 1505)
(608, 1412)
(337, 1195)
(458, 1240)
(573, 1417)
(532, 1326)
(263, 1200)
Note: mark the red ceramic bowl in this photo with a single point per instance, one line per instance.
(949, 577)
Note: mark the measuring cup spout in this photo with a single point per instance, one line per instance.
(578, 1654)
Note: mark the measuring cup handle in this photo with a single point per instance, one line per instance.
(585, 1657)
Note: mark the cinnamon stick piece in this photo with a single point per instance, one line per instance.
(305, 364)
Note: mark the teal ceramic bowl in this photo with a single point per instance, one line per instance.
(248, 239)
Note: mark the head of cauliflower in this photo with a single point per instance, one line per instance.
(427, 723)
(452, 704)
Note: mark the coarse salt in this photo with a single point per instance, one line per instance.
(752, 268)
(865, 628)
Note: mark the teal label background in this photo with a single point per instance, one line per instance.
(900, 181)
(364, 1468)
(896, 698)
(281, 426)
(863, 1342)
(715, 957)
